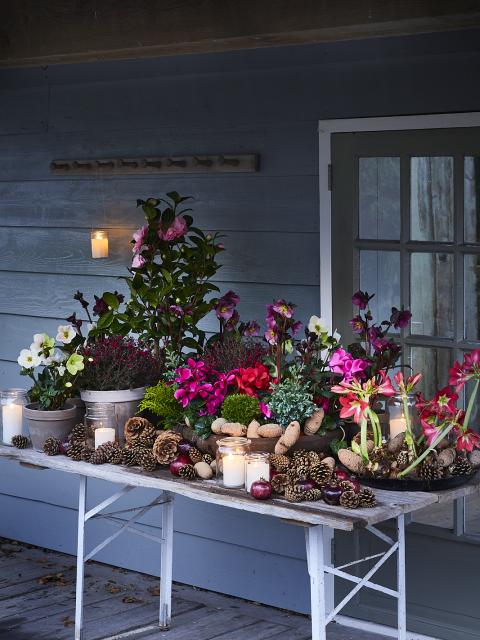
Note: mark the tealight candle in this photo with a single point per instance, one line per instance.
(103, 435)
(99, 239)
(257, 467)
(397, 425)
(234, 470)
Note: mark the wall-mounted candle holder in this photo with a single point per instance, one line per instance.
(99, 241)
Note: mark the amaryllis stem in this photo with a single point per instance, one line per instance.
(421, 458)
(471, 402)
(363, 440)
(410, 438)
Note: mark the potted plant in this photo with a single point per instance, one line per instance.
(117, 370)
(51, 411)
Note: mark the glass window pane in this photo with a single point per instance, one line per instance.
(434, 364)
(471, 199)
(379, 198)
(432, 294)
(431, 199)
(472, 297)
(380, 274)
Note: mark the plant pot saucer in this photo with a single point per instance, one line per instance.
(410, 484)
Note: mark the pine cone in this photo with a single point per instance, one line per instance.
(403, 459)
(279, 462)
(367, 498)
(279, 482)
(165, 447)
(461, 467)
(187, 472)
(75, 451)
(429, 471)
(51, 447)
(346, 485)
(99, 456)
(78, 433)
(87, 454)
(134, 427)
(207, 458)
(20, 442)
(321, 474)
(349, 500)
(315, 458)
(147, 460)
(129, 457)
(313, 495)
(195, 455)
(113, 452)
(142, 443)
(294, 496)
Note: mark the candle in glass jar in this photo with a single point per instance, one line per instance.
(233, 470)
(397, 425)
(12, 420)
(99, 244)
(256, 468)
(103, 435)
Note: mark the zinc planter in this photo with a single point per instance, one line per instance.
(125, 401)
(49, 424)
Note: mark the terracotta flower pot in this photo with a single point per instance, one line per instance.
(125, 401)
(49, 424)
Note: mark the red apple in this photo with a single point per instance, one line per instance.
(184, 446)
(356, 484)
(178, 463)
(331, 494)
(261, 489)
(341, 474)
(64, 447)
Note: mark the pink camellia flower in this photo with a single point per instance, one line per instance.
(139, 237)
(138, 261)
(176, 230)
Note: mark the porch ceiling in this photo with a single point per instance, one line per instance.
(66, 31)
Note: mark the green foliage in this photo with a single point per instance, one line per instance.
(161, 402)
(170, 286)
(173, 360)
(336, 445)
(240, 408)
(291, 400)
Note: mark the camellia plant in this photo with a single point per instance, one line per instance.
(170, 282)
(60, 366)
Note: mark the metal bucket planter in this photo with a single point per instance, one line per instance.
(49, 424)
(125, 401)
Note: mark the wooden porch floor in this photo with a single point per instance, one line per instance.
(37, 601)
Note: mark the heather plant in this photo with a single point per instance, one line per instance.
(117, 362)
(234, 352)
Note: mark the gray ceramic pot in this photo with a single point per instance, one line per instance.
(49, 424)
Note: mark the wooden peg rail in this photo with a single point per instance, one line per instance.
(224, 163)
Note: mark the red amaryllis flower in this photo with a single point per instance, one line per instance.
(253, 380)
(407, 386)
(444, 401)
(460, 374)
(467, 440)
(385, 388)
(353, 407)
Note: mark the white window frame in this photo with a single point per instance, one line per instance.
(389, 123)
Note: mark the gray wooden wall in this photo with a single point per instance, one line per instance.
(266, 101)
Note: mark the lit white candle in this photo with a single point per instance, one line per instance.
(233, 470)
(103, 435)
(99, 244)
(256, 470)
(12, 420)
(397, 425)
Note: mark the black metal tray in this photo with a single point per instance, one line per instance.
(409, 484)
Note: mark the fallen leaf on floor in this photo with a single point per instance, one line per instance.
(111, 589)
(67, 621)
(154, 591)
(131, 600)
(55, 578)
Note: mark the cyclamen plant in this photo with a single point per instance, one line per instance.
(61, 365)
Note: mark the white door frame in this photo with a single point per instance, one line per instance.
(391, 123)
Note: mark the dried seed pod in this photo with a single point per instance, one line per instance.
(352, 461)
(234, 429)
(270, 431)
(314, 422)
(289, 438)
(252, 429)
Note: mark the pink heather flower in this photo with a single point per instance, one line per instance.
(176, 230)
(139, 237)
(138, 261)
(282, 308)
(265, 409)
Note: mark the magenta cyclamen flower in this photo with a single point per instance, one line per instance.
(265, 409)
(361, 299)
(344, 363)
(176, 230)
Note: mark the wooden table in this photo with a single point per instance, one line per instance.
(319, 520)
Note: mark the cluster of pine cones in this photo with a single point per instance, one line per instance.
(293, 476)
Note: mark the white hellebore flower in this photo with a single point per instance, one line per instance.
(65, 333)
(337, 336)
(28, 359)
(317, 325)
(61, 370)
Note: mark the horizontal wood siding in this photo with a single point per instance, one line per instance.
(266, 102)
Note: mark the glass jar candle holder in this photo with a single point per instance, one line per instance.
(398, 411)
(99, 242)
(231, 455)
(101, 422)
(12, 402)
(257, 467)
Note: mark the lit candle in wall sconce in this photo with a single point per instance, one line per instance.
(99, 239)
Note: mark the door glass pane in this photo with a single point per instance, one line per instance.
(432, 294)
(380, 274)
(379, 198)
(431, 199)
(434, 364)
(472, 297)
(471, 199)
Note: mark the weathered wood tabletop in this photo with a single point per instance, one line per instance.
(390, 503)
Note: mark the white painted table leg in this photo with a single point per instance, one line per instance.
(401, 578)
(166, 564)
(328, 546)
(316, 564)
(82, 502)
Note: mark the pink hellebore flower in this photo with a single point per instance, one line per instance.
(177, 229)
(138, 261)
(139, 237)
(271, 336)
(282, 308)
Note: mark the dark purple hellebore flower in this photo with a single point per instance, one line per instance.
(100, 307)
(361, 299)
(400, 318)
(357, 324)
